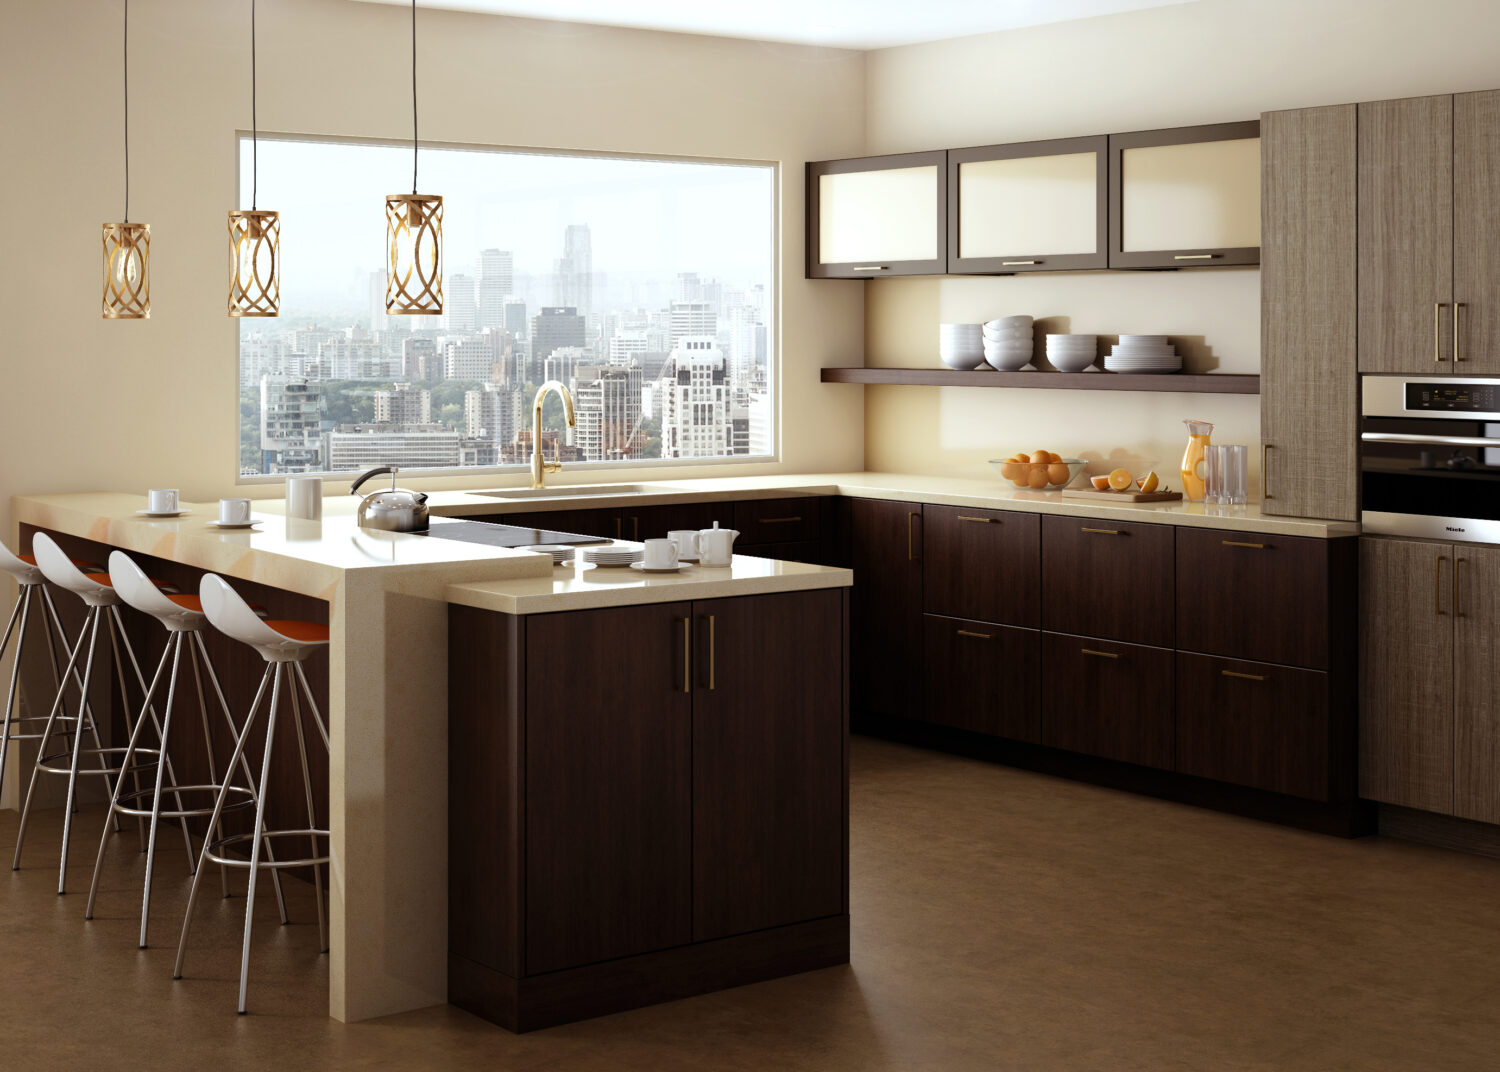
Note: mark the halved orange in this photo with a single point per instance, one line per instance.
(1120, 480)
(1149, 482)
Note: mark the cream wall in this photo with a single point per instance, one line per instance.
(91, 404)
(1203, 62)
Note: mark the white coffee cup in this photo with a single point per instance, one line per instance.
(304, 497)
(234, 511)
(686, 541)
(162, 500)
(660, 554)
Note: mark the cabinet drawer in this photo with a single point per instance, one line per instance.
(777, 520)
(1253, 724)
(1107, 699)
(1247, 595)
(982, 677)
(981, 564)
(1108, 579)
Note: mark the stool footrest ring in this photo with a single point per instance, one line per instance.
(46, 762)
(185, 813)
(215, 854)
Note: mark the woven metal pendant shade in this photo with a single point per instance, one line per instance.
(414, 261)
(127, 271)
(254, 263)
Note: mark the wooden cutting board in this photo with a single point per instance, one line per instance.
(1124, 496)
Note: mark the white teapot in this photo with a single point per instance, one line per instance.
(716, 546)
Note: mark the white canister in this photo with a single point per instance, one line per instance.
(304, 497)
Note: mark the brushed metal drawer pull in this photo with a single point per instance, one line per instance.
(1241, 543)
(1100, 654)
(871, 268)
(1006, 264)
(981, 520)
(1457, 357)
(1265, 471)
(1195, 256)
(1102, 532)
(1437, 331)
(780, 520)
(711, 651)
(976, 636)
(687, 655)
(1246, 677)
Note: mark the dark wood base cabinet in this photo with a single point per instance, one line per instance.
(982, 677)
(1108, 699)
(645, 802)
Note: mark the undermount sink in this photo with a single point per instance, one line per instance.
(577, 490)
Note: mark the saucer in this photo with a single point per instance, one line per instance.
(643, 568)
(221, 525)
(166, 513)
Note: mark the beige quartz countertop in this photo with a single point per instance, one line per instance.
(905, 487)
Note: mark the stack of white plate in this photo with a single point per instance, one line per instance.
(1007, 342)
(960, 345)
(612, 555)
(560, 552)
(1072, 353)
(1143, 354)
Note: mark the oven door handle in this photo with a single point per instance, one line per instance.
(1436, 440)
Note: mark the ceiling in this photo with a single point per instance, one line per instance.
(860, 24)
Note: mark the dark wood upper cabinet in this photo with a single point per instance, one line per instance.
(983, 677)
(981, 565)
(877, 216)
(1108, 579)
(1309, 376)
(1039, 206)
(1476, 233)
(1185, 197)
(886, 606)
(1406, 235)
(768, 730)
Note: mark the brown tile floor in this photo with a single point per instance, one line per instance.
(1002, 920)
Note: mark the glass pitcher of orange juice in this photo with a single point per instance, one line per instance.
(1192, 458)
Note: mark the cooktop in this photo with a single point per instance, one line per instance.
(497, 535)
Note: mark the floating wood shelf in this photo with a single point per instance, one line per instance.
(1206, 383)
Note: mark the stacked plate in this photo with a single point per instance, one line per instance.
(612, 555)
(959, 345)
(560, 553)
(1072, 353)
(1143, 354)
(1007, 342)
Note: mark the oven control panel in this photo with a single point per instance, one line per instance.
(1429, 396)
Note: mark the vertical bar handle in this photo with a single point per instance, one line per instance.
(1457, 607)
(1437, 332)
(1437, 585)
(1457, 357)
(1265, 471)
(711, 684)
(687, 654)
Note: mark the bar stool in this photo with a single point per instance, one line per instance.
(183, 617)
(33, 593)
(103, 609)
(283, 645)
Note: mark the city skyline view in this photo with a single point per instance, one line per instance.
(645, 286)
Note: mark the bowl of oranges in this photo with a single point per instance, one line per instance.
(1041, 470)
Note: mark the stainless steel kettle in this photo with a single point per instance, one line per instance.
(392, 509)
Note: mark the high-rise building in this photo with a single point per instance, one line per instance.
(760, 425)
(477, 357)
(409, 446)
(562, 364)
(460, 304)
(554, 326)
(695, 319)
(607, 403)
(626, 347)
(747, 343)
(695, 413)
(403, 404)
(689, 288)
(345, 357)
(420, 361)
(290, 415)
(515, 317)
(493, 413)
(378, 319)
(575, 269)
(497, 281)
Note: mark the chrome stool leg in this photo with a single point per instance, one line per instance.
(62, 635)
(62, 870)
(312, 818)
(260, 809)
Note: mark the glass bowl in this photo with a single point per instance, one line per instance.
(1020, 473)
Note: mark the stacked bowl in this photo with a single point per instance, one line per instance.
(1143, 354)
(1072, 353)
(960, 345)
(1007, 342)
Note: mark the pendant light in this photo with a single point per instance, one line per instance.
(127, 246)
(414, 232)
(254, 236)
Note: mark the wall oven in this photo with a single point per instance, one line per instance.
(1430, 457)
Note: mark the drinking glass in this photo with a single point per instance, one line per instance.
(1213, 473)
(1236, 475)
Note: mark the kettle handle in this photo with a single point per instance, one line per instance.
(354, 488)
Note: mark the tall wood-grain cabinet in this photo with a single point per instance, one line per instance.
(1309, 382)
(1429, 653)
(1429, 235)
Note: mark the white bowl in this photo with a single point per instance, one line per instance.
(1025, 333)
(1090, 338)
(1008, 362)
(1147, 339)
(963, 361)
(960, 329)
(1071, 362)
(1011, 322)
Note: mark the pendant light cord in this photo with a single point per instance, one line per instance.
(413, 97)
(126, 96)
(254, 123)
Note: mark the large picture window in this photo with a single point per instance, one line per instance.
(644, 285)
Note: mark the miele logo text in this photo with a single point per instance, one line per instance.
(1455, 528)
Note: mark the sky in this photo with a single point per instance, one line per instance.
(644, 215)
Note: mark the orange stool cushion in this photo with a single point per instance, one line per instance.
(192, 603)
(307, 632)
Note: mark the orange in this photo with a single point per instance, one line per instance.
(1054, 457)
(1057, 474)
(1040, 457)
(1038, 478)
(1120, 480)
(1010, 470)
(1101, 483)
(1149, 482)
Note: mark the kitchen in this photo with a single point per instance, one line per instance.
(934, 840)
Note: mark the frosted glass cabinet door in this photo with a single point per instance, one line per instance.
(1184, 198)
(877, 216)
(1036, 206)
